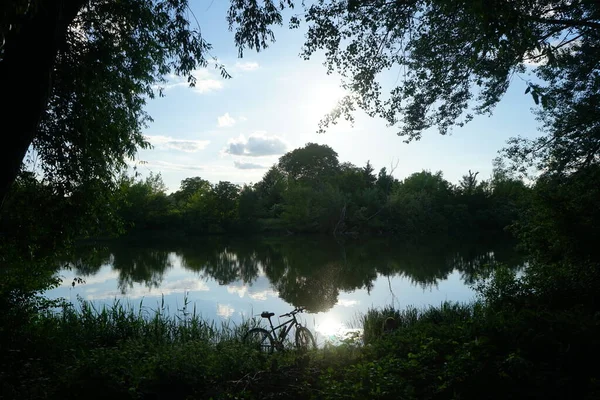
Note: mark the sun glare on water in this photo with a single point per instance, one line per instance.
(329, 327)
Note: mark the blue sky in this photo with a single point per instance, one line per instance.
(233, 129)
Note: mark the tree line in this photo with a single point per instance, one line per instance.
(310, 190)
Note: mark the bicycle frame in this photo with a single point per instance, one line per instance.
(281, 338)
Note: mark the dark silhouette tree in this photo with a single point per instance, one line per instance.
(455, 59)
(75, 76)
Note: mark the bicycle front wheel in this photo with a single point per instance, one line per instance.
(260, 339)
(305, 339)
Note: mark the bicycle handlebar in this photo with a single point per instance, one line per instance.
(296, 311)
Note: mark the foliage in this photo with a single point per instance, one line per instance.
(468, 351)
(106, 59)
(126, 352)
(563, 218)
(309, 190)
(309, 164)
(456, 59)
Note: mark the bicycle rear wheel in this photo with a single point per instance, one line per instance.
(260, 339)
(305, 339)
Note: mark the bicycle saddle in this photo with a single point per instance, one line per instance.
(266, 314)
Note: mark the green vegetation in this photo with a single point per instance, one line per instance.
(76, 75)
(309, 190)
(509, 345)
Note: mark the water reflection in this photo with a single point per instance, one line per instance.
(302, 271)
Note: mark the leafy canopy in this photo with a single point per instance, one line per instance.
(113, 57)
(445, 61)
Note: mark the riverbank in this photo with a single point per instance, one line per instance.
(480, 350)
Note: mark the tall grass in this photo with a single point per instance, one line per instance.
(110, 324)
(444, 352)
(373, 320)
(128, 351)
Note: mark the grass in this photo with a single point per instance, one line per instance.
(446, 352)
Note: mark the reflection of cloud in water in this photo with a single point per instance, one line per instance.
(225, 310)
(239, 290)
(347, 302)
(254, 295)
(103, 276)
(263, 295)
(259, 290)
(180, 286)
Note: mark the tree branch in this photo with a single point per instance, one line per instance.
(584, 23)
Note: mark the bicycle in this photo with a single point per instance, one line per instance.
(268, 341)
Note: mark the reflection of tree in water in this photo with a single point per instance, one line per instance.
(140, 265)
(145, 265)
(221, 261)
(306, 271)
(90, 260)
(423, 264)
(479, 259)
(311, 272)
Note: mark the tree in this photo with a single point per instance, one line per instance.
(369, 176)
(270, 190)
(384, 182)
(455, 59)
(311, 164)
(417, 205)
(190, 186)
(570, 106)
(468, 183)
(226, 195)
(142, 204)
(76, 74)
(248, 207)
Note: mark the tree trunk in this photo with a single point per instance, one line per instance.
(26, 71)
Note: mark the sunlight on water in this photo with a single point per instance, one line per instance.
(329, 327)
(232, 281)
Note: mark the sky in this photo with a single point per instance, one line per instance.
(232, 130)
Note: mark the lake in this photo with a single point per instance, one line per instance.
(237, 278)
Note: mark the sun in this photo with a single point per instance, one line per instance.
(321, 99)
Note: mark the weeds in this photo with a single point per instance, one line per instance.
(449, 351)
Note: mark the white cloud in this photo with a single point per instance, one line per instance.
(186, 145)
(248, 165)
(347, 303)
(246, 66)
(175, 166)
(180, 286)
(205, 82)
(257, 145)
(205, 86)
(224, 310)
(225, 121)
